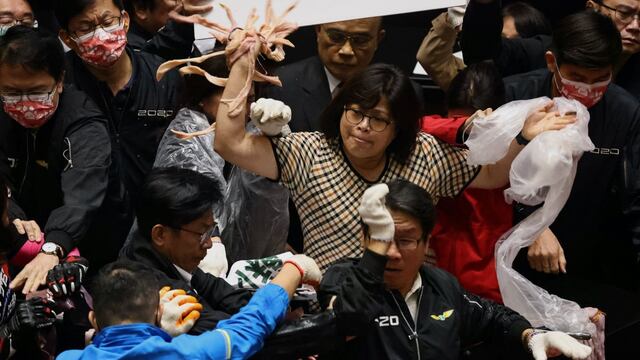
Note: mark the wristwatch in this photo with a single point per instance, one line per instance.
(50, 248)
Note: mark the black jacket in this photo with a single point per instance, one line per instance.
(219, 299)
(173, 41)
(59, 172)
(482, 40)
(601, 218)
(361, 297)
(138, 114)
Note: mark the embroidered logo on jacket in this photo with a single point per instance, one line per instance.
(443, 316)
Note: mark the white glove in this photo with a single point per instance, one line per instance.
(557, 341)
(270, 115)
(455, 15)
(374, 213)
(179, 311)
(215, 262)
(309, 270)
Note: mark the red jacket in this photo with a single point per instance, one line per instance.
(468, 226)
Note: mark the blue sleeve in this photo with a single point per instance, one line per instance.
(240, 336)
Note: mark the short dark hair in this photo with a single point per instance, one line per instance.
(528, 20)
(477, 87)
(366, 89)
(174, 197)
(125, 291)
(587, 39)
(65, 10)
(198, 87)
(34, 49)
(409, 198)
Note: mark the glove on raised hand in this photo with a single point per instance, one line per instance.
(66, 278)
(374, 213)
(179, 311)
(35, 313)
(270, 115)
(556, 341)
(455, 15)
(308, 268)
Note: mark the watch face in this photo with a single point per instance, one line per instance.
(49, 247)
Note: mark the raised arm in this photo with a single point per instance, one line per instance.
(250, 152)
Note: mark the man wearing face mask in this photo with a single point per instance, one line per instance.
(587, 255)
(121, 81)
(54, 147)
(15, 12)
(481, 40)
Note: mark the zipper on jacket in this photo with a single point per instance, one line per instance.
(414, 335)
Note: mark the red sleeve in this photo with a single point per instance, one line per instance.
(446, 129)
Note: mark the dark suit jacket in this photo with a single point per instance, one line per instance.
(305, 89)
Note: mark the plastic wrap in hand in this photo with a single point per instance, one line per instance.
(543, 172)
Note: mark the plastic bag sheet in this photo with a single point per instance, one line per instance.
(194, 154)
(255, 217)
(543, 172)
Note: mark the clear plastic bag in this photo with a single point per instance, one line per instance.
(543, 172)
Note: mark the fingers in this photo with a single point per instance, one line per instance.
(169, 296)
(539, 353)
(569, 346)
(562, 262)
(20, 279)
(35, 280)
(33, 230)
(193, 316)
(164, 290)
(19, 226)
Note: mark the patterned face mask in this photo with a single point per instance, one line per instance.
(103, 47)
(30, 111)
(587, 94)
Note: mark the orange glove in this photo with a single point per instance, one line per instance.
(179, 311)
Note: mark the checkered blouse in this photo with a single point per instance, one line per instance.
(327, 190)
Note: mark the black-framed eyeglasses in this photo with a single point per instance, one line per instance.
(625, 15)
(14, 97)
(340, 37)
(9, 21)
(355, 117)
(203, 236)
(87, 30)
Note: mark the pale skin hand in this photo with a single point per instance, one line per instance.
(29, 227)
(34, 273)
(546, 254)
(194, 7)
(497, 175)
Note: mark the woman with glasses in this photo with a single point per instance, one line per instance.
(369, 135)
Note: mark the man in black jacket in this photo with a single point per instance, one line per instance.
(419, 312)
(481, 40)
(55, 149)
(175, 226)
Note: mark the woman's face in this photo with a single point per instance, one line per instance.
(362, 137)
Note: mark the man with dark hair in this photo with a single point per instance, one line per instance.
(481, 40)
(151, 29)
(56, 151)
(175, 226)
(127, 309)
(587, 255)
(397, 307)
(14, 12)
(122, 82)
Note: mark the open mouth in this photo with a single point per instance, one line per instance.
(391, 270)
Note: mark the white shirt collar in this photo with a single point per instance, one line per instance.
(411, 298)
(184, 273)
(333, 81)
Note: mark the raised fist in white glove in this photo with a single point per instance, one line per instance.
(308, 268)
(179, 311)
(270, 116)
(555, 343)
(374, 213)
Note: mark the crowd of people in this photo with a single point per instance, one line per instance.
(369, 233)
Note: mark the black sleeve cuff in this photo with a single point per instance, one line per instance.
(61, 238)
(514, 338)
(374, 263)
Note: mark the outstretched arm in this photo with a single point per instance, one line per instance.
(232, 142)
